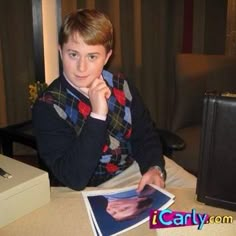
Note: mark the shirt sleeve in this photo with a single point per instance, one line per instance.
(97, 116)
(71, 157)
(145, 141)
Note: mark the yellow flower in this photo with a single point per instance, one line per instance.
(35, 89)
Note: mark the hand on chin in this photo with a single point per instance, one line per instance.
(85, 90)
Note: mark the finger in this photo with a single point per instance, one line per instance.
(141, 185)
(159, 182)
(108, 93)
(98, 82)
(101, 77)
(99, 86)
(162, 183)
(95, 83)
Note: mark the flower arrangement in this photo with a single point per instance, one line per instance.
(35, 89)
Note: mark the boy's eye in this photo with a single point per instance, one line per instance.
(72, 54)
(92, 57)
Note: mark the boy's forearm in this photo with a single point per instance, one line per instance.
(70, 157)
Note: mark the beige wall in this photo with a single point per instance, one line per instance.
(50, 38)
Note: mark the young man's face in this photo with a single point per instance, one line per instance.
(82, 63)
(122, 209)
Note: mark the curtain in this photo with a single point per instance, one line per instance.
(148, 34)
(231, 29)
(16, 60)
(3, 119)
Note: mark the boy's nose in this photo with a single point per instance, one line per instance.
(82, 65)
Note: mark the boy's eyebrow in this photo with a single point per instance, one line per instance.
(72, 50)
(94, 53)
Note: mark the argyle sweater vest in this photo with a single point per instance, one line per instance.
(75, 108)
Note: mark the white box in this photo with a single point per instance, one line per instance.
(27, 190)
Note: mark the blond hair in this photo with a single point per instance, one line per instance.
(93, 26)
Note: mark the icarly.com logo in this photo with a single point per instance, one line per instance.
(168, 218)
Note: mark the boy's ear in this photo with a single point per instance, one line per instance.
(108, 56)
(60, 51)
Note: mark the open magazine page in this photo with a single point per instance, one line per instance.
(114, 211)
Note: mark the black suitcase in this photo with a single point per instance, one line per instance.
(216, 183)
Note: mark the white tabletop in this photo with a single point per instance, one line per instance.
(66, 215)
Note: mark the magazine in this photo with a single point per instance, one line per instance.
(114, 211)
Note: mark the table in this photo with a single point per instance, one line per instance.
(66, 215)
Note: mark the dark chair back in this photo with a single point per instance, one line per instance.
(195, 74)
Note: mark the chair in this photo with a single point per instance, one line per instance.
(195, 74)
(20, 133)
(23, 133)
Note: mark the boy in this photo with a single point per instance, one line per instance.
(91, 126)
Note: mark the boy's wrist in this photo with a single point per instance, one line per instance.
(162, 174)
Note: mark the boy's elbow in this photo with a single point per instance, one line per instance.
(76, 184)
(78, 187)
